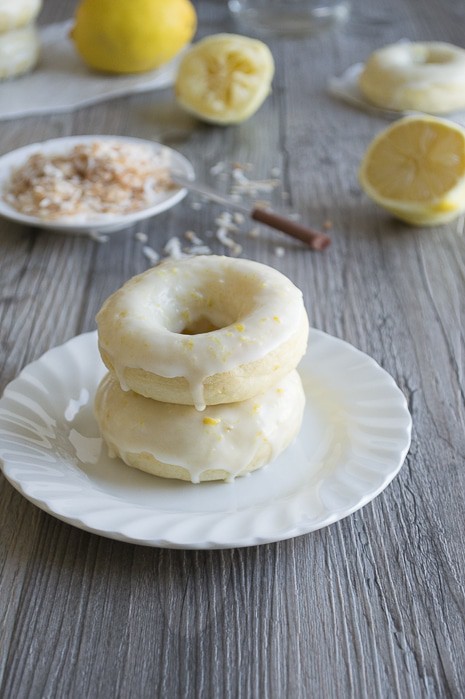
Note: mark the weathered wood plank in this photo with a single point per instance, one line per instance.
(370, 607)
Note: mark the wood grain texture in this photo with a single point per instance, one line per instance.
(372, 606)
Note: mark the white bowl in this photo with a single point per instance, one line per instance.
(103, 223)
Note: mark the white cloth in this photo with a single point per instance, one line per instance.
(61, 81)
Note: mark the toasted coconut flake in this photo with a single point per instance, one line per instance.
(99, 178)
(151, 254)
(193, 238)
(173, 248)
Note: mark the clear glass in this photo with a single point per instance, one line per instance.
(289, 17)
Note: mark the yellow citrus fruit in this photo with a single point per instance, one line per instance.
(132, 36)
(416, 170)
(224, 78)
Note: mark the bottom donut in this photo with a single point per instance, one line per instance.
(219, 443)
(19, 51)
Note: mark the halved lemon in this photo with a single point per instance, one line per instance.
(416, 170)
(224, 78)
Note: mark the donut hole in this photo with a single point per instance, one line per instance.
(435, 57)
(216, 303)
(199, 326)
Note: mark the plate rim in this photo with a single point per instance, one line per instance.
(302, 527)
(105, 224)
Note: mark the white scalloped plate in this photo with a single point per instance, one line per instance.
(103, 223)
(354, 438)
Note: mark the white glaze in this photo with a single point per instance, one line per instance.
(254, 307)
(16, 13)
(226, 437)
(428, 76)
(19, 51)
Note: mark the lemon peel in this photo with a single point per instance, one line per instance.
(415, 169)
(224, 78)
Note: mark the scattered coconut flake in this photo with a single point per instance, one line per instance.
(227, 241)
(245, 190)
(218, 168)
(196, 205)
(239, 176)
(151, 254)
(173, 248)
(141, 237)
(244, 185)
(224, 239)
(262, 203)
(193, 238)
(199, 250)
(225, 220)
(236, 197)
(242, 166)
(99, 237)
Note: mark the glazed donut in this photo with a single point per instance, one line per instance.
(19, 52)
(203, 330)
(425, 77)
(177, 441)
(17, 13)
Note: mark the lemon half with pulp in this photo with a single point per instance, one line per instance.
(416, 170)
(224, 78)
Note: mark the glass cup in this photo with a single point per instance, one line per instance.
(289, 17)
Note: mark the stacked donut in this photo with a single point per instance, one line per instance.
(201, 354)
(19, 38)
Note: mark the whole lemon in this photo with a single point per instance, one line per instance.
(132, 36)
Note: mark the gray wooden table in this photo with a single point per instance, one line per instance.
(372, 606)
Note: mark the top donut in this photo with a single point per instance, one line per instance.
(203, 330)
(416, 76)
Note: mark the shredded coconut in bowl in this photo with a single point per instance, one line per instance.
(91, 180)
